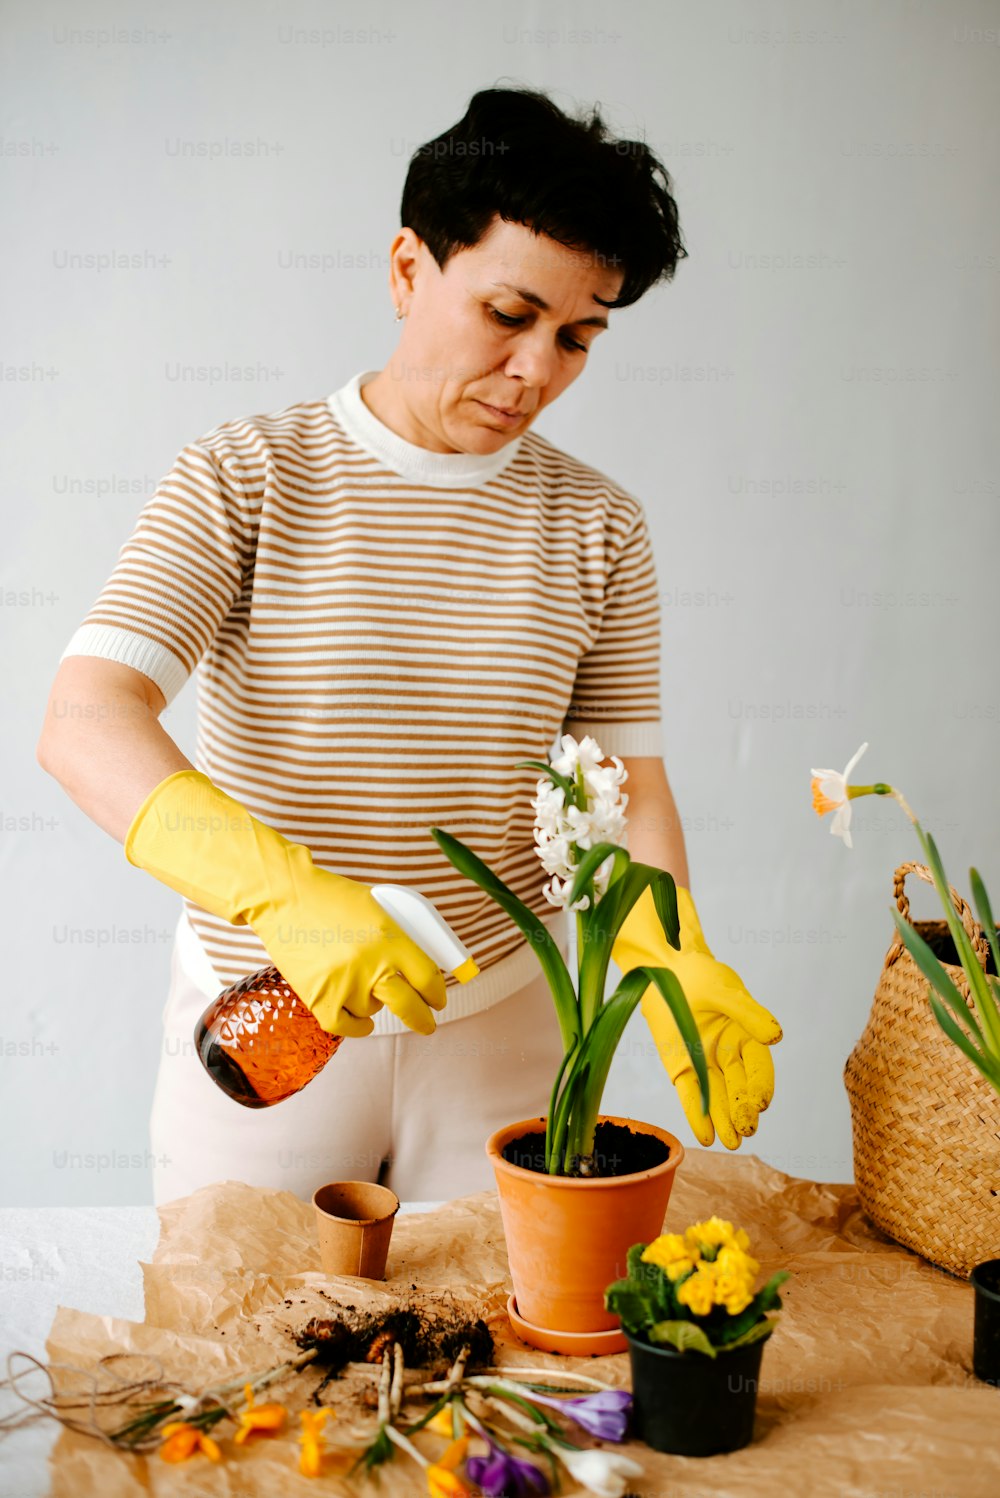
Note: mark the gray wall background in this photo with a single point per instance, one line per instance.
(808, 414)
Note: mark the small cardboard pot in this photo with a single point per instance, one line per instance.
(354, 1221)
(689, 1404)
(985, 1280)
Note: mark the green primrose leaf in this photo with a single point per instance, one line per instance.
(630, 1305)
(756, 1333)
(634, 1262)
(766, 1299)
(683, 1335)
(769, 1296)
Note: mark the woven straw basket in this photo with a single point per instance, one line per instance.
(926, 1122)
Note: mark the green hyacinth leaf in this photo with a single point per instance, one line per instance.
(665, 899)
(591, 862)
(554, 775)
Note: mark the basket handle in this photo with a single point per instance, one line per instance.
(972, 927)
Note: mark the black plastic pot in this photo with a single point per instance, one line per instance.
(985, 1280)
(692, 1405)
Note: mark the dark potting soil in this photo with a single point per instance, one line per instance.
(362, 1336)
(941, 942)
(618, 1151)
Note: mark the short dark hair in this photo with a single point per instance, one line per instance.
(515, 153)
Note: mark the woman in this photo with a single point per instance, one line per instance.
(392, 596)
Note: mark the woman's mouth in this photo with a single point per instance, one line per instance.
(510, 418)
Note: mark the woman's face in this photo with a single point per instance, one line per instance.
(472, 341)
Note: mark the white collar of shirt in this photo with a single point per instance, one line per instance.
(441, 470)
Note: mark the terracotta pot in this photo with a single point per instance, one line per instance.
(568, 1238)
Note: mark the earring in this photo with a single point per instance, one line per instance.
(399, 315)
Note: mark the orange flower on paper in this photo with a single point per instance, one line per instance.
(442, 1480)
(443, 1423)
(263, 1419)
(311, 1439)
(181, 1440)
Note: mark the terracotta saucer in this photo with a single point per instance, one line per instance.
(572, 1344)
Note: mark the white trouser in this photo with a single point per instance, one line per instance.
(413, 1111)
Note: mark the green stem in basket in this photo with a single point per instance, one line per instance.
(985, 914)
(938, 978)
(985, 1055)
(979, 985)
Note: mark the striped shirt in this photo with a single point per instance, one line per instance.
(380, 633)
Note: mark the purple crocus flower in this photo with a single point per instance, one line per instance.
(604, 1415)
(501, 1475)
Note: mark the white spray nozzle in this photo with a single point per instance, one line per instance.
(427, 927)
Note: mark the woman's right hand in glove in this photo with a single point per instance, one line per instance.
(328, 936)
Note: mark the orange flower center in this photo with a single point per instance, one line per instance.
(822, 803)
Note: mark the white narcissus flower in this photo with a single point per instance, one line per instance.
(831, 792)
(605, 1473)
(561, 831)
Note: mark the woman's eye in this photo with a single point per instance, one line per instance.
(502, 317)
(512, 322)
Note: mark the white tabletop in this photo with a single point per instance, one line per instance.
(85, 1257)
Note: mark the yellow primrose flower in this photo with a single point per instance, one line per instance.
(735, 1301)
(734, 1276)
(311, 1440)
(735, 1260)
(442, 1480)
(672, 1254)
(715, 1232)
(181, 1440)
(697, 1292)
(264, 1418)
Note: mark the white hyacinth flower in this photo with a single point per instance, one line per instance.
(561, 831)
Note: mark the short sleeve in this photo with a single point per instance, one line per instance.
(177, 576)
(616, 693)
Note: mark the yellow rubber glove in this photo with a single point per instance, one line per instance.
(736, 1031)
(341, 952)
